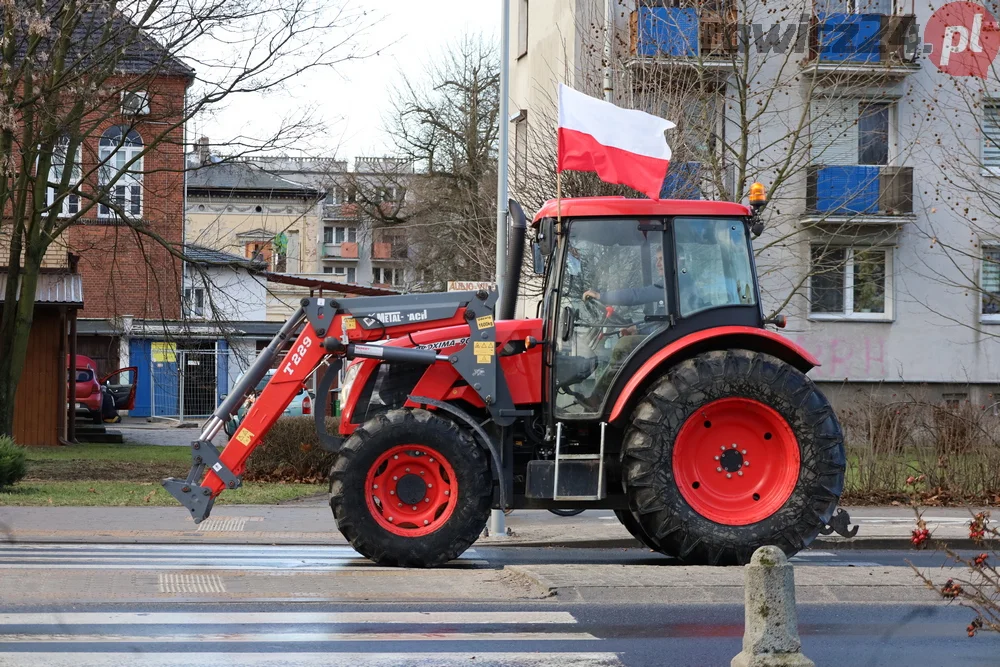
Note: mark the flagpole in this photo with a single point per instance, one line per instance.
(558, 198)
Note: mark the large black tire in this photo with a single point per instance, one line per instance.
(647, 459)
(627, 519)
(410, 427)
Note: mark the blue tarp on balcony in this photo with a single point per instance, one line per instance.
(846, 190)
(849, 37)
(667, 31)
(683, 181)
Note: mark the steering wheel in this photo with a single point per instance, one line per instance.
(604, 314)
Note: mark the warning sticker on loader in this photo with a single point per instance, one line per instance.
(484, 322)
(483, 351)
(245, 437)
(350, 323)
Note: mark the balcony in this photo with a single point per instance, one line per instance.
(872, 192)
(863, 45)
(698, 39)
(386, 250)
(340, 250)
(340, 211)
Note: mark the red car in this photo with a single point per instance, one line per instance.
(91, 389)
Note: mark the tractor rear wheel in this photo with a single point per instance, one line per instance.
(627, 519)
(410, 488)
(730, 451)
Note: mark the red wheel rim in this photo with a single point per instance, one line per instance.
(411, 490)
(725, 438)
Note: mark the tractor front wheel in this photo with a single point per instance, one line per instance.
(410, 488)
(730, 451)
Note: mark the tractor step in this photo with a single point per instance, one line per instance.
(571, 477)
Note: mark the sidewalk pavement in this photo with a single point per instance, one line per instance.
(311, 522)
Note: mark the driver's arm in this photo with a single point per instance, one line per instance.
(630, 296)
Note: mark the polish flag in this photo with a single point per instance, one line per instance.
(622, 146)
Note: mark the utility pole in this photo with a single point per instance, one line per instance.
(497, 526)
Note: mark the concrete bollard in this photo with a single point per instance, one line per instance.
(771, 637)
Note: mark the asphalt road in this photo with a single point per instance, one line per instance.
(205, 605)
(441, 635)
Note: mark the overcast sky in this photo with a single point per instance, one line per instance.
(352, 101)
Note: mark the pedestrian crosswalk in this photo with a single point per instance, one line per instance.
(297, 638)
(164, 557)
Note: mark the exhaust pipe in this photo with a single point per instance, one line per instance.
(515, 257)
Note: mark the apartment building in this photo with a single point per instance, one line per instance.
(883, 240)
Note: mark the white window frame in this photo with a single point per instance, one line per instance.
(522, 28)
(987, 318)
(112, 160)
(328, 228)
(849, 315)
(191, 308)
(990, 169)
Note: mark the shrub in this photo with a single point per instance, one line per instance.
(290, 452)
(13, 462)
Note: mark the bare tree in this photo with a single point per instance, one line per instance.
(445, 125)
(70, 69)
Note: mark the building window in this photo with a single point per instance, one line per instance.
(194, 302)
(991, 135)
(873, 134)
(328, 235)
(70, 204)
(849, 282)
(522, 28)
(120, 173)
(991, 284)
(848, 131)
(387, 276)
(327, 269)
(345, 234)
(521, 151)
(349, 273)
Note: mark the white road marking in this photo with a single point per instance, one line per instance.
(190, 583)
(293, 637)
(292, 618)
(324, 659)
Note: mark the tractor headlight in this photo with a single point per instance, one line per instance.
(345, 386)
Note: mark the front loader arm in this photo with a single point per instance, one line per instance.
(321, 320)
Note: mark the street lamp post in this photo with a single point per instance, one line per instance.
(497, 526)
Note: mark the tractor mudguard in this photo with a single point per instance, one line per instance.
(751, 338)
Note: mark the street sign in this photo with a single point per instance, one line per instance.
(470, 286)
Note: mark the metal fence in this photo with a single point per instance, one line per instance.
(191, 383)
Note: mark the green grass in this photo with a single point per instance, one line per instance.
(139, 494)
(123, 476)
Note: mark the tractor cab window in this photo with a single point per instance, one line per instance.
(611, 297)
(713, 264)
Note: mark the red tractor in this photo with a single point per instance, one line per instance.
(647, 384)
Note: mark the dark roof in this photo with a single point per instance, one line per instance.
(243, 179)
(328, 285)
(52, 289)
(210, 257)
(129, 49)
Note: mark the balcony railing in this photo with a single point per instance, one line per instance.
(682, 33)
(851, 190)
(385, 250)
(345, 250)
(340, 211)
(852, 39)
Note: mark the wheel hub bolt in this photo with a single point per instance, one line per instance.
(722, 447)
(390, 518)
(392, 493)
(718, 469)
(395, 456)
(740, 473)
(426, 522)
(399, 504)
(394, 478)
(729, 475)
(743, 451)
(430, 486)
(414, 508)
(427, 500)
(734, 446)
(447, 493)
(408, 470)
(375, 486)
(432, 460)
(716, 458)
(746, 463)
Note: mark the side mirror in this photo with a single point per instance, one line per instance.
(546, 236)
(537, 259)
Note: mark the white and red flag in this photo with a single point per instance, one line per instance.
(622, 146)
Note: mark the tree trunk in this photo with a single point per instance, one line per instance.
(14, 343)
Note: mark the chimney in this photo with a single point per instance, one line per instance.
(204, 154)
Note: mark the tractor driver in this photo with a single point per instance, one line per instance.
(631, 336)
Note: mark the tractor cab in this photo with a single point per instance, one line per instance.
(625, 278)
